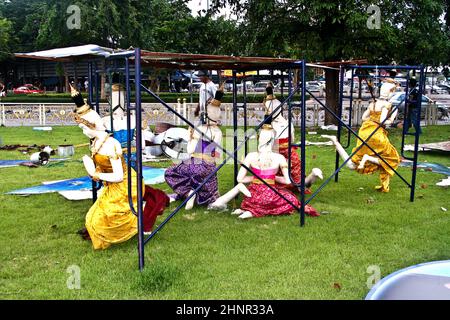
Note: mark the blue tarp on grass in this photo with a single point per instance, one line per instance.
(151, 176)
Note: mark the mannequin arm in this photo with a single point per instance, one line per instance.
(192, 141)
(384, 114)
(284, 169)
(393, 115)
(366, 114)
(218, 141)
(242, 174)
(116, 175)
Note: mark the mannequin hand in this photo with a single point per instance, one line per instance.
(89, 165)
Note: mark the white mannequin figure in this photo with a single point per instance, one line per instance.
(202, 153)
(102, 143)
(118, 107)
(381, 105)
(265, 160)
(211, 132)
(365, 160)
(280, 125)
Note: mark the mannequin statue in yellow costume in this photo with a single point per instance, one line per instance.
(365, 161)
(110, 219)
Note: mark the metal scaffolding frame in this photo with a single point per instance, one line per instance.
(133, 70)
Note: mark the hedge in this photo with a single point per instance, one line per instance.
(165, 96)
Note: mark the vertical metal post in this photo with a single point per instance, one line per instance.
(89, 82)
(405, 114)
(303, 145)
(341, 101)
(3, 116)
(244, 105)
(97, 89)
(235, 127)
(97, 109)
(289, 90)
(416, 133)
(137, 88)
(350, 110)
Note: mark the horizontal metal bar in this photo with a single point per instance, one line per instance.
(383, 67)
(230, 156)
(364, 142)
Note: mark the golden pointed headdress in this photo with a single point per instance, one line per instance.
(82, 107)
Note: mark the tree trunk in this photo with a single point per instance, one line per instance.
(332, 95)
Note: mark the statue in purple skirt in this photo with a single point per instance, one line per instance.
(184, 178)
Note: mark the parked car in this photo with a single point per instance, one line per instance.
(27, 89)
(313, 87)
(438, 89)
(443, 111)
(260, 86)
(445, 87)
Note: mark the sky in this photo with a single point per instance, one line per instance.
(196, 5)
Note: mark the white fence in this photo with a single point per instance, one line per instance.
(61, 114)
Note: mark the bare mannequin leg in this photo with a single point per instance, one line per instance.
(190, 203)
(246, 215)
(366, 158)
(344, 155)
(315, 174)
(221, 203)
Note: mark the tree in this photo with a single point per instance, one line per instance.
(409, 31)
(5, 38)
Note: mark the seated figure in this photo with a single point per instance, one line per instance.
(110, 219)
(187, 176)
(365, 161)
(260, 200)
(281, 145)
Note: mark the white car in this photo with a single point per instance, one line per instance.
(398, 99)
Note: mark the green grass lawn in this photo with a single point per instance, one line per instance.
(211, 255)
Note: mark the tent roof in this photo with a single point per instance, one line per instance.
(181, 61)
(66, 54)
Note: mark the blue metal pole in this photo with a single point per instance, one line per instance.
(303, 146)
(235, 128)
(405, 117)
(364, 142)
(129, 137)
(352, 83)
(137, 77)
(341, 100)
(416, 133)
(244, 105)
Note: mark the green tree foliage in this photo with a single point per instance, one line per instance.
(159, 25)
(5, 38)
(410, 31)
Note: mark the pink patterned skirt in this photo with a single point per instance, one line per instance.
(265, 202)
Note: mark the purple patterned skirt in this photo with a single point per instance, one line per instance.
(188, 175)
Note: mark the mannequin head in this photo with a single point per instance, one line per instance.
(266, 138)
(387, 90)
(88, 120)
(271, 103)
(204, 76)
